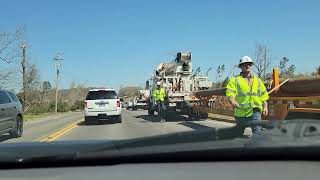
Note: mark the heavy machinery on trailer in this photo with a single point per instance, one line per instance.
(178, 80)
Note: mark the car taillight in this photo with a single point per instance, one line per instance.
(118, 103)
(85, 104)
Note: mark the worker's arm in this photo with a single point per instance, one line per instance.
(264, 93)
(265, 104)
(231, 92)
(164, 93)
(154, 93)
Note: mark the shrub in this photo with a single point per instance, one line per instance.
(77, 105)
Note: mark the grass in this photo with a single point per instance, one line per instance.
(32, 117)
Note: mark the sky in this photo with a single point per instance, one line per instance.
(119, 43)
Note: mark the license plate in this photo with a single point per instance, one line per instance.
(102, 116)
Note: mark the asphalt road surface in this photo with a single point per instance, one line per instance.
(134, 124)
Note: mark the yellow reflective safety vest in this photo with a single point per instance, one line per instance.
(248, 98)
(159, 94)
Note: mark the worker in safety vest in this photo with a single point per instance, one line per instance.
(248, 96)
(159, 95)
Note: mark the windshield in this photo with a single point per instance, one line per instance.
(79, 71)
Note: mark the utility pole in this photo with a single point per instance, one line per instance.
(23, 63)
(57, 60)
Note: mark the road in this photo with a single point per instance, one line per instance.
(135, 124)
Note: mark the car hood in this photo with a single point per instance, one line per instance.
(279, 134)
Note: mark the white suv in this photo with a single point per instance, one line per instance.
(102, 104)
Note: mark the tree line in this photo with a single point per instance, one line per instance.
(262, 67)
(39, 94)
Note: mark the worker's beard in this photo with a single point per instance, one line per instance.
(246, 73)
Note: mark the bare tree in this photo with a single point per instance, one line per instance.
(287, 70)
(45, 87)
(75, 92)
(9, 44)
(262, 60)
(32, 84)
(291, 70)
(32, 77)
(5, 77)
(9, 54)
(220, 70)
(129, 91)
(283, 65)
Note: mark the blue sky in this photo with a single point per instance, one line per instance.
(114, 43)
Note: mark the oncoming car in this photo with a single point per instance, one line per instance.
(102, 104)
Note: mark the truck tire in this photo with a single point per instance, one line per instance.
(90, 120)
(17, 129)
(86, 120)
(119, 119)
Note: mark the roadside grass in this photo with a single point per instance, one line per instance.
(32, 117)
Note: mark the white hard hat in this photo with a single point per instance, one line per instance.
(158, 83)
(245, 59)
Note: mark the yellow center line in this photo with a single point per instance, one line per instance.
(61, 132)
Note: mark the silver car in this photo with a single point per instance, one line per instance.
(11, 116)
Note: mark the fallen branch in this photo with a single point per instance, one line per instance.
(26, 108)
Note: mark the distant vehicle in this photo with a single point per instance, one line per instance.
(123, 104)
(130, 104)
(139, 102)
(11, 114)
(102, 104)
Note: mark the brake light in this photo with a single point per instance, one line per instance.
(85, 104)
(118, 103)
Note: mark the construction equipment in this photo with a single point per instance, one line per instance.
(140, 101)
(177, 79)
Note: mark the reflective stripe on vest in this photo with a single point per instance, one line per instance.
(259, 87)
(231, 90)
(250, 104)
(241, 94)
